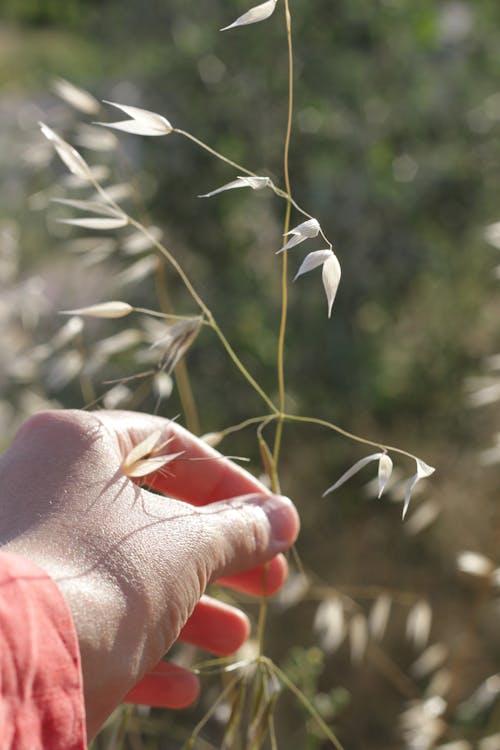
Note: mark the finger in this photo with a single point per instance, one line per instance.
(165, 686)
(264, 580)
(200, 476)
(239, 534)
(216, 627)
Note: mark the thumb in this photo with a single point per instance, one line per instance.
(244, 532)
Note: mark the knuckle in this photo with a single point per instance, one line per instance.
(67, 427)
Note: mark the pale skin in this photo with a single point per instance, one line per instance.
(133, 564)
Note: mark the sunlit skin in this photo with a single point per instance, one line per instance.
(133, 564)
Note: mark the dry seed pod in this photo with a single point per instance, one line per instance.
(75, 96)
(142, 122)
(423, 470)
(474, 564)
(144, 458)
(429, 660)
(379, 616)
(256, 183)
(421, 723)
(304, 231)
(254, 15)
(353, 470)
(177, 341)
(69, 155)
(418, 623)
(99, 223)
(440, 683)
(358, 637)
(329, 624)
(95, 139)
(384, 472)
(293, 591)
(116, 396)
(112, 309)
(424, 516)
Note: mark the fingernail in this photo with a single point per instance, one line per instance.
(284, 521)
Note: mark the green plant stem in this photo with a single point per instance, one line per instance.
(247, 422)
(189, 744)
(284, 268)
(212, 151)
(305, 702)
(261, 624)
(346, 434)
(118, 738)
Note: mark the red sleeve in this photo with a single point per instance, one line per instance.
(41, 696)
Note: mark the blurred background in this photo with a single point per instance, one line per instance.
(395, 150)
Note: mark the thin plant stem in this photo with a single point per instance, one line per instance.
(246, 423)
(189, 744)
(212, 151)
(261, 624)
(284, 268)
(305, 702)
(164, 316)
(121, 729)
(346, 434)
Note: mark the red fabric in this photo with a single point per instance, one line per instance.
(41, 697)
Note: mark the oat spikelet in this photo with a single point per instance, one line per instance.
(114, 309)
(144, 458)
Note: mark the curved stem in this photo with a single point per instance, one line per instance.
(346, 434)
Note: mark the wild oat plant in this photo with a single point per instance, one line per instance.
(243, 709)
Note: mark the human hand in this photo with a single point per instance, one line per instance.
(132, 564)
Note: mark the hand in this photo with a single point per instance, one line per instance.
(133, 564)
